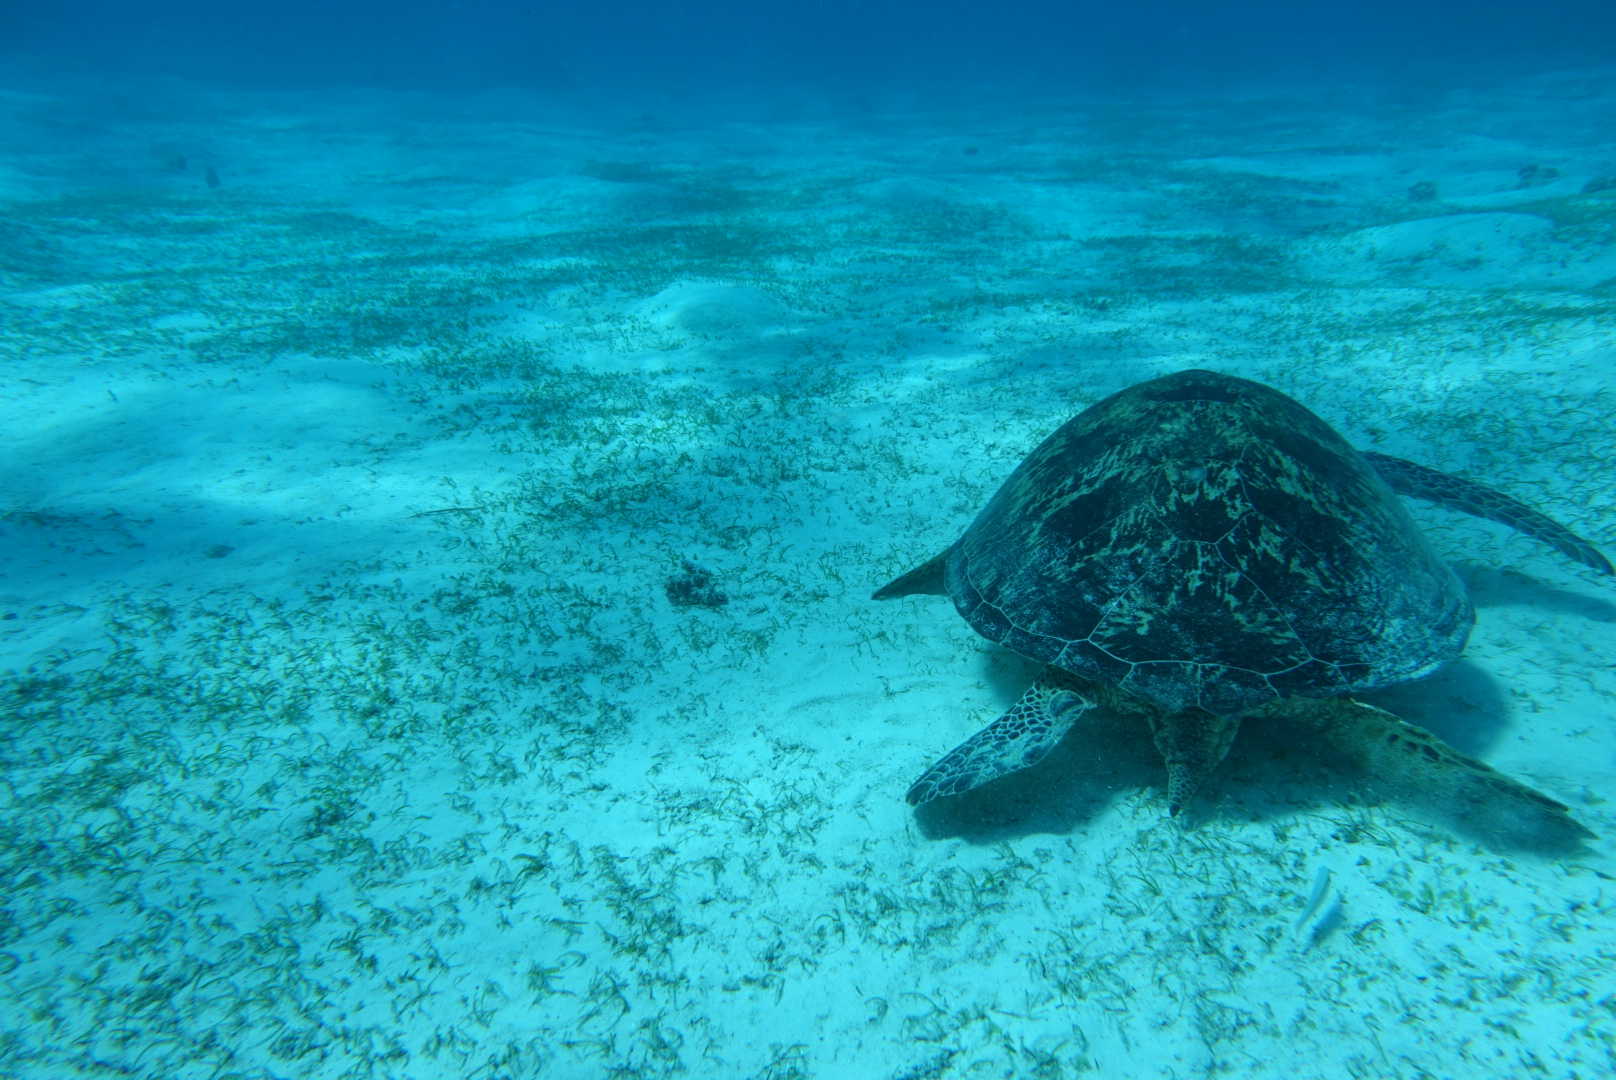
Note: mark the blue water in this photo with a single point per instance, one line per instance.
(446, 454)
(894, 46)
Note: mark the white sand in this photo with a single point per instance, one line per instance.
(352, 734)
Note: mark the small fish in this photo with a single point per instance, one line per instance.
(1333, 919)
(212, 178)
(1315, 897)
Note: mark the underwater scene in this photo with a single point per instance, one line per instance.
(506, 582)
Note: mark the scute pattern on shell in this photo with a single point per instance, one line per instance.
(1203, 540)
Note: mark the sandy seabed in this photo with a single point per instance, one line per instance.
(350, 731)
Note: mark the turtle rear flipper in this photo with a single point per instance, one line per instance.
(1479, 500)
(1393, 750)
(1020, 738)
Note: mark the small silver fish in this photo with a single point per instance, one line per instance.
(1315, 897)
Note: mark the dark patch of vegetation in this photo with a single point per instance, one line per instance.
(1424, 191)
(1537, 175)
(694, 587)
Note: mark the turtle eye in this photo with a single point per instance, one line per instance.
(1197, 473)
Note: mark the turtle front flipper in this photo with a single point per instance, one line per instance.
(1390, 748)
(1479, 500)
(925, 579)
(1018, 739)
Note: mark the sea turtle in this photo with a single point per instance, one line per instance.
(1200, 548)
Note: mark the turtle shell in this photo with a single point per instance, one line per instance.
(1203, 540)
